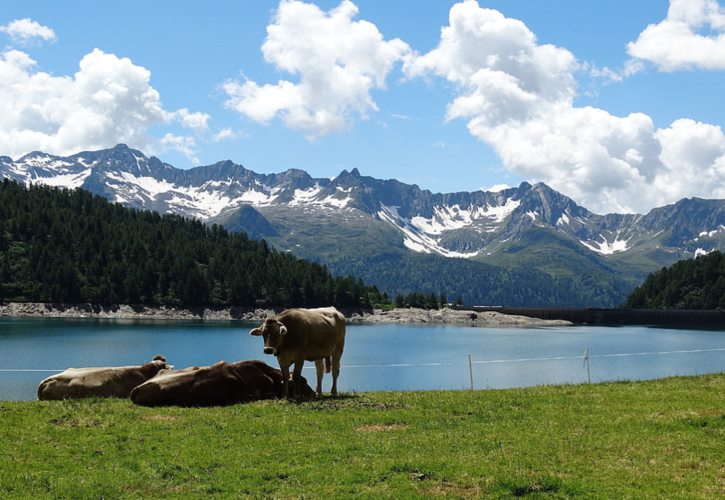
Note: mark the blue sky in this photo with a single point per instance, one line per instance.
(615, 103)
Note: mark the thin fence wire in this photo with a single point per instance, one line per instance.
(465, 362)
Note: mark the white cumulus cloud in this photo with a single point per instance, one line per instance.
(109, 100)
(193, 120)
(518, 96)
(337, 61)
(692, 36)
(26, 31)
(695, 155)
(496, 188)
(181, 143)
(227, 134)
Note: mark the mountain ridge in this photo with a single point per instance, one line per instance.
(353, 219)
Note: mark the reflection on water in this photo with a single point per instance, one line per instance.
(377, 357)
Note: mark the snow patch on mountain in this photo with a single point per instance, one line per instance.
(332, 201)
(712, 233)
(444, 219)
(447, 218)
(153, 187)
(413, 239)
(311, 197)
(217, 184)
(43, 161)
(70, 180)
(605, 247)
(202, 204)
(196, 201)
(85, 163)
(304, 196)
(140, 161)
(500, 212)
(203, 201)
(257, 198)
(337, 200)
(49, 171)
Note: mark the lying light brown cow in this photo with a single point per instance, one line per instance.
(111, 382)
(296, 335)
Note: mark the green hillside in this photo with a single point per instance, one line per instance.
(72, 246)
(688, 284)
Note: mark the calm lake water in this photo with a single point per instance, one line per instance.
(377, 357)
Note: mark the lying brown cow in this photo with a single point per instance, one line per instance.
(112, 382)
(296, 335)
(219, 384)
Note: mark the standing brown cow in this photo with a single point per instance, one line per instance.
(296, 335)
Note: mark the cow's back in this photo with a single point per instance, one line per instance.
(315, 332)
(77, 383)
(338, 323)
(336, 316)
(214, 385)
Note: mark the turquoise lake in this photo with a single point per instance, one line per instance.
(376, 358)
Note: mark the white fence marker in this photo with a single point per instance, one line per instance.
(586, 362)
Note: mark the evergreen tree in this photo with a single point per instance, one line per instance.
(688, 284)
(71, 246)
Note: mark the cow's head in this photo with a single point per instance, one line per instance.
(160, 362)
(273, 333)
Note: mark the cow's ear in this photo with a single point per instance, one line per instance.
(256, 332)
(282, 330)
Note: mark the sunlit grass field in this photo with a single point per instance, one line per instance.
(656, 439)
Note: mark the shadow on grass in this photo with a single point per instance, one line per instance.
(539, 486)
(343, 401)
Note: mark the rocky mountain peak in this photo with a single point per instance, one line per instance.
(465, 224)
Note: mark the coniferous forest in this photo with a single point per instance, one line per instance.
(74, 247)
(688, 284)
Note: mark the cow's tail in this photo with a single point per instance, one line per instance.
(328, 364)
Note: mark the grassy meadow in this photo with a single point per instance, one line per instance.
(663, 439)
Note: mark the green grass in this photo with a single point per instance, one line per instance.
(657, 439)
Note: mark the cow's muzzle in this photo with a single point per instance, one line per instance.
(270, 350)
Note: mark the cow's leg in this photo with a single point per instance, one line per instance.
(335, 372)
(297, 377)
(284, 368)
(320, 367)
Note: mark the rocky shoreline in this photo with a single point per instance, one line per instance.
(124, 311)
(448, 316)
(404, 316)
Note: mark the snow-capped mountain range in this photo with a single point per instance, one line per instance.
(478, 225)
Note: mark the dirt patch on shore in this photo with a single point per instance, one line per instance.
(380, 427)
